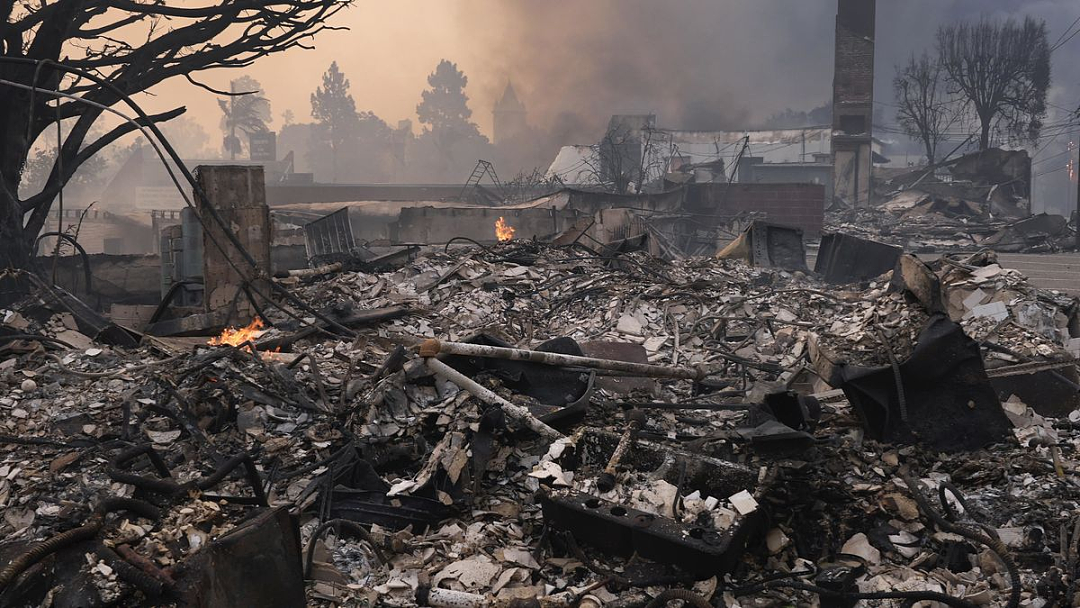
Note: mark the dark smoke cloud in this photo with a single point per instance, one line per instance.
(700, 64)
(697, 63)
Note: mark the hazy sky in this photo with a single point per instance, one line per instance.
(697, 63)
(387, 54)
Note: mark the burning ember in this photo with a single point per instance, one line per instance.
(503, 231)
(236, 336)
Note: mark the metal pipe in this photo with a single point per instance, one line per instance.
(516, 412)
(431, 348)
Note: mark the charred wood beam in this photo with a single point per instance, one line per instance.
(431, 348)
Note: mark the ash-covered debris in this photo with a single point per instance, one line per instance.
(978, 200)
(526, 425)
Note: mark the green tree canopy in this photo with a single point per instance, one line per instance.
(444, 109)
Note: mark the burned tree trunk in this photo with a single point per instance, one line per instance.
(14, 245)
(14, 116)
(986, 125)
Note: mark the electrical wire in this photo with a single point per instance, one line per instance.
(1052, 157)
(1066, 41)
(1065, 33)
(60, 194)
(1052, 171)
(994, 544)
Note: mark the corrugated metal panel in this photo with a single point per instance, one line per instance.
(329, 235)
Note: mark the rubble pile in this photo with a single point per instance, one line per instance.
(527, 425)
(917, 223)
(976, 201)
(923, 224)
(995, 303)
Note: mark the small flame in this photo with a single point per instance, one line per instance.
(233, 336)
(503, 231)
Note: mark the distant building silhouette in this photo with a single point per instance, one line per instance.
(510, 116)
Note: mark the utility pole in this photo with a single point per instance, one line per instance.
(1077, 200)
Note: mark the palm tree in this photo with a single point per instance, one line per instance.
(247, 113)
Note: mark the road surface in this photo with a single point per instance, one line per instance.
(1060, 271)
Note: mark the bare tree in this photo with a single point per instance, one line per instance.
(626, 159)
(1002, 71)
(528, 185)
(656, 153)
(134, 46)
(925, 109)
(618, 155)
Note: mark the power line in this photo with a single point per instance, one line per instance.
(1066, 41)
(1061, 168)
(1065, 33)
(1048, 158)
(1064, 130)
(1054, 105)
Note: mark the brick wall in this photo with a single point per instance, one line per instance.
(853, 79)
(798, 205)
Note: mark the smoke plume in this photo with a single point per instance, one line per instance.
(698, 64)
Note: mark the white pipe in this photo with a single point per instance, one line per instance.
(431, 348)
(516, 412)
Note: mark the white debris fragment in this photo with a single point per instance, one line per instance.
(904, 542)
(474, 572)
(743, 502)
(974, 299)
(629, 325)
(997, 311)
(520, 556)
(552, 471)
(163, 437)
(859, 545)
(776, 540)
